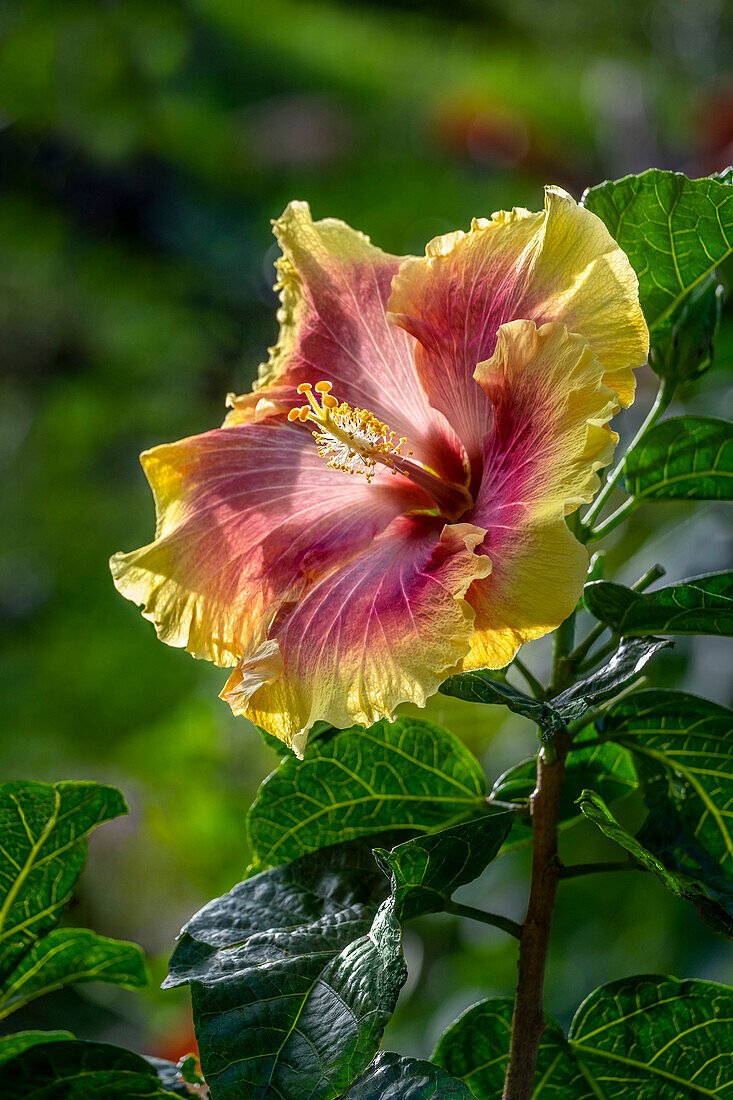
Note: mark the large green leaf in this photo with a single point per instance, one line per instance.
(77, 1070)
(408, 775)
(42, 851)
(294, 974)
(394, 1077)
(12, 1045)
(701, 605)
(682, 345)
(650, 1038)
(686, 744)
(604, 767)
(674, 231)
(71, 955)
(710, 908)
(683, 458)
(426, 871)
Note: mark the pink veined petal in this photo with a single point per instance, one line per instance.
(558, 265)
(551, 436)
(386, 628)
(334, 290)
(247, 519)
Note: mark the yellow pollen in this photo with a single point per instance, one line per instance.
(351, 439)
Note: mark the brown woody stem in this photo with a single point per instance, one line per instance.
(527, 1021)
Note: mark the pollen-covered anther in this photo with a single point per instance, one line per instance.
(350, 439)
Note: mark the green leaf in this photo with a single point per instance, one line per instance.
(426, 871)
(648, 1037)
(69, 955)
(674, 230)
(394, 1077)
(294, 974)
(604, 767)
(77, 1070)
(177, 1077)
(626, 663)
(11, 1045)
(482, 687)
(682, 345)
(718, 915)
(42, 851)
(685, 744)
(701, 605)
(683, 458)
(408, 775)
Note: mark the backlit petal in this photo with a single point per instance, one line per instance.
(247, 518)
(385, 629)
(550, 438)
(558, 265)
(334, 287)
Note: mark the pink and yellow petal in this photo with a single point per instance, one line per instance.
(386, 628)
(541, 461)
(334, 287)
(558, 265)
(247, 519)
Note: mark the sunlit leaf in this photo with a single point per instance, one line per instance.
(683, 458)
(71, 955)
(42, 851)
(719, 915)
(294, 974)
(408, 774)
(684, 744)
(650, 1038)
(674, 231)
(426, 871)
(77, 1070)
(701, 605)
(394, 1077)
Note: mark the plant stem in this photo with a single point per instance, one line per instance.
(561, 670)
(528, 1020)
(665, 393)
(577, 869)
(603, 529)
(494, 919)
(535, 686)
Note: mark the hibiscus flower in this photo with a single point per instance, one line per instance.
(387, 506)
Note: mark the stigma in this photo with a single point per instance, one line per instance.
(350, 439)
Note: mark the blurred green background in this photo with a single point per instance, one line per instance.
(144, 146)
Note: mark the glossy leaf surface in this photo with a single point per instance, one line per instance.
(294, 974)
(394, 1077)
(674, 231)
(482, 687)
(426, 871)
(607, 681)
(701, 605)
(408, 775)
(683, 458)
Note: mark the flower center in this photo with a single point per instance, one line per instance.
(355, 441)
(352, 440)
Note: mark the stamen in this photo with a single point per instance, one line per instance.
(351, 439)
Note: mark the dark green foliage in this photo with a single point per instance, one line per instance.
(606, 682)
(701, 605)
(12, 1045)
(652, 1038)
(294, 975)
(77, 1070)
(682, 345)
(683, 458)
(674, 230)
(483, 687)
(714, 908)
(605, 767)
(408, 775)
(426, 871)
(393, 1077)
